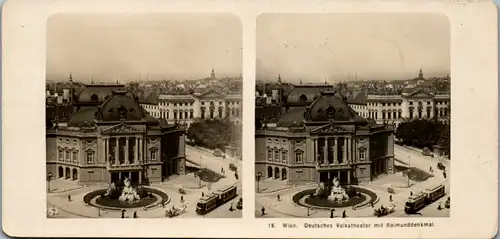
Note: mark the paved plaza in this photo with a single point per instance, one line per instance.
(76, 208)
(285, 207)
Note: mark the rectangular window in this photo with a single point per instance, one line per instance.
(191, 114)
(90, 157)
(61, 155)
(277, 155)
(153, 155)
(68, 156)
(362, 154)
(283, 157)
(75, 157)
(298, 157)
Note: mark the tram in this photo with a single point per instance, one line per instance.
(423, 199)
(210, 202)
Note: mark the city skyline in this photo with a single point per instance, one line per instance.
(124, 48)
(355, 46)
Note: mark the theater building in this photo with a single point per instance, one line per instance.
(315, 136)
(109, 136)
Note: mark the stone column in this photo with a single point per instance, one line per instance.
(127, 161)
(344, 153)
(117, 148)
(335, 151)
(136, 150)
(106, 150)
(316, 149)
(325, 152)
(140, 177)
(141, 154)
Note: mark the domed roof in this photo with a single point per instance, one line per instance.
(332, 106)
(97, 93)
(121, 106)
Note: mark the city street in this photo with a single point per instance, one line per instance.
(60, 189)
(287, 208)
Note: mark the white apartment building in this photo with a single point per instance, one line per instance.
(185, 109)
(415, 103)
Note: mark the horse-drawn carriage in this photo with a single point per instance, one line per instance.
(383, 211)
(176, 211)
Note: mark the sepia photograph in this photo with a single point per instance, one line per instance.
(143, 116)
(352, 115)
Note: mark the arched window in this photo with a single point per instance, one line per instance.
(75, 174)
(283, 174)
(94, 98)
(61, 172)
(269, 172)
(191, 113)
(67, 173)
(303, 97)
(180, 114)
(276, 173)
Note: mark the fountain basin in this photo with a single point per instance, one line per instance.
(95, 199)
(303, 198)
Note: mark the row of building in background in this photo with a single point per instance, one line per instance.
(185, 109)
(415, 102)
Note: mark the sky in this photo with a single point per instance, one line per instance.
(111, 47)
(344, 47)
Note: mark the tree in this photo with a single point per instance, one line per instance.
(424, 133)
(213, 133)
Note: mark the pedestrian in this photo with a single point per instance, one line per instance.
(123, 213)
(390, 198)
(182, 198)
(263, 210)
(444, 174)
(231, 208)
(135, 214)
(430, 169)
(202, 194)
(411, 193)
(331, 214)
(222, 170)
(343, 214)
(69, 197)
(439, 207)
(278, 198)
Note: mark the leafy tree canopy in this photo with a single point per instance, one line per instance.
(425, 133)
(213, 133)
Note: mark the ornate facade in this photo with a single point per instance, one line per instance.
(186, 109)
(109, 136)
(413, 103)
(316, 136)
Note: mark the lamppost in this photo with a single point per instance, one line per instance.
(49, 177)
(259, 175)
(409, 170)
